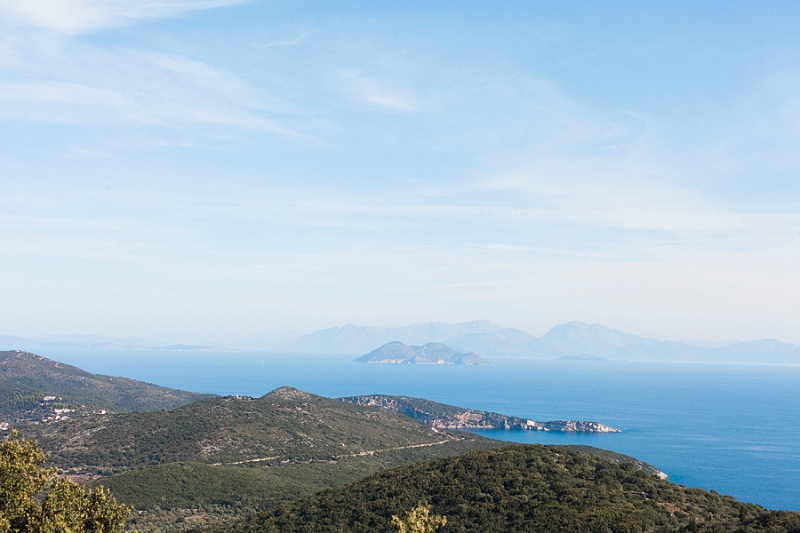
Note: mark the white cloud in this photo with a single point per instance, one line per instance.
(659, 212)
(385, 93)
(78, 16)
(289, 41)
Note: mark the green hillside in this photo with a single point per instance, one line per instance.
(27, 379)
(232, 456)
(177, 496)
(521, 488)
(286, 425)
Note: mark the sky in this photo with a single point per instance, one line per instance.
(223, 170)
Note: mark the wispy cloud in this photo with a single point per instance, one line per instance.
(78, 16)
(380, 92)
(84, 85)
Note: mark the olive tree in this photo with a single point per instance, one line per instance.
(419, 520)
(34, 500)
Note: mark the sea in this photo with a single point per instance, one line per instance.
(734, 429)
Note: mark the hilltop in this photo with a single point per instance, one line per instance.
(34, 388)
(521, 488)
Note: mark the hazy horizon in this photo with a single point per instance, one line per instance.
(282, 337)
(227, 171)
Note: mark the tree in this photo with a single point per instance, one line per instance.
(33, 500)
(419, 520)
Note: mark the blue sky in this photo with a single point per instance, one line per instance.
(212, 170)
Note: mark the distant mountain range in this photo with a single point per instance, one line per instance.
(573, 340)
(432, 353)
(482, 337)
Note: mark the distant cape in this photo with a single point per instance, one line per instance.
(432, 353)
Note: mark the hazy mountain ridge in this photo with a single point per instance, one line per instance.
(360, 339)
(482, 337)
(488, 340)
(577, 338)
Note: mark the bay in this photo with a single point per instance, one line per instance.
(734, 429)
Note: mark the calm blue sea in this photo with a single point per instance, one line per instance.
(734, 429)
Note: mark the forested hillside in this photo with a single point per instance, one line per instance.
(521, 488)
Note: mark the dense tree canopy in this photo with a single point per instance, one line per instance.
(529, 489)
(33, 500)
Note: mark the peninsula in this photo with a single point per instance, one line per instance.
(442, 416)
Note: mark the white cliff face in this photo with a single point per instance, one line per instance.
(579, 425)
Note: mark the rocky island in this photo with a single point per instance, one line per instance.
(442, 416)
(433, 353)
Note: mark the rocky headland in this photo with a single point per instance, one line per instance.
(442, 416)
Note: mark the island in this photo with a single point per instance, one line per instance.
(433, 353)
